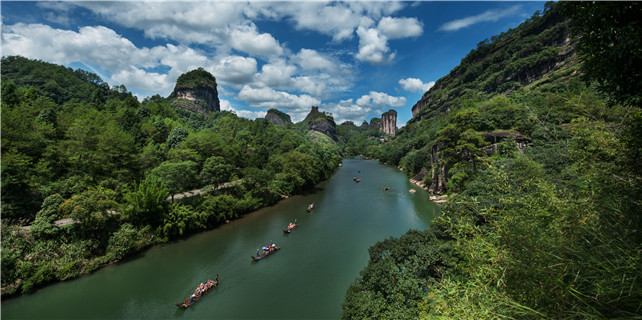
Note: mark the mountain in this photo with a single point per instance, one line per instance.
(322, 123)
(278, 118)
(536, 53)
(196, 91)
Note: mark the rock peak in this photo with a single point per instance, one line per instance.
(196, 91)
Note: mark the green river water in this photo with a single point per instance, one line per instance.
(306, 279)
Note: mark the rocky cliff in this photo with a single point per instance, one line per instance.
(438, 170)
(278, 118)
(322, 123)
(389, 122)
(195, 91)
(520, 57)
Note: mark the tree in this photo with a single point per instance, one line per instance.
(176, 177)
(148, 203)
(216, 171)
(610, 43)
(177, 136)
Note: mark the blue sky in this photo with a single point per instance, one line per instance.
(353, 59)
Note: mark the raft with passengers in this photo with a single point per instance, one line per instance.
(199, 292)
(291, 227)
(267, 250)
(310, 207)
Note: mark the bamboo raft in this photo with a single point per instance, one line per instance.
(290, 230)
(265, 253)
(197, 296)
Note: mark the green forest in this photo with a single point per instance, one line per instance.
(534, 138)
(547, 228)
(74, 148)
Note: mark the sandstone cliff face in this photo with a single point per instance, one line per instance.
(278, 118)
(438, 182)
(322, 123)
(202, 99)
(196, 91)
(389, 123)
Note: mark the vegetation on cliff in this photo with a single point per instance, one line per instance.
(550, 231)
(195, 78)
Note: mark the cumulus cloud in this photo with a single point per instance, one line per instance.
(270, 98)
(249, 40)
(142, 80)
(415, 85)
(397, 28)
(310, 59)
(277, 74)
(347, 110)
(234, 69)
(373, 47)
(490, 15)
(380, 100)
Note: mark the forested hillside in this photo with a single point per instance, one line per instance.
(72, 147)
(535, 137)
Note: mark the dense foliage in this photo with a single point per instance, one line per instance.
(196, 77)
(547, 230)
(73, 148)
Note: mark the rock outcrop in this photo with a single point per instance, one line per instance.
(322, 123)
(389, 123)
(195, 91)
(439, 176)
(364, 125)
(278, 118)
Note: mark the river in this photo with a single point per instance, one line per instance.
(307, 278)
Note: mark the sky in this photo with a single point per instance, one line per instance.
(352, 59)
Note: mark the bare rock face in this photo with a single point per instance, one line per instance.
(389, 123)
(322, 123)
(278, 118)
(439, 173)
(196, 91)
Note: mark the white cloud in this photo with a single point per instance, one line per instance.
(380, 100)
(310, 59)
(346, 110)
(247, 39)
(490, 15)
(373, 47)
(277, 74)
(309, 85)
(234, 69)
(397, 28)
(415, 85)
(143, 80)
(270, 98)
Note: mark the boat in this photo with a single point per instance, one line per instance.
(358, 180)
(310, 207)
(290, 227)
(266, 252)
(204, 289)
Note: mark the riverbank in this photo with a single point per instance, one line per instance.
(66, 250)
(325, 252)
